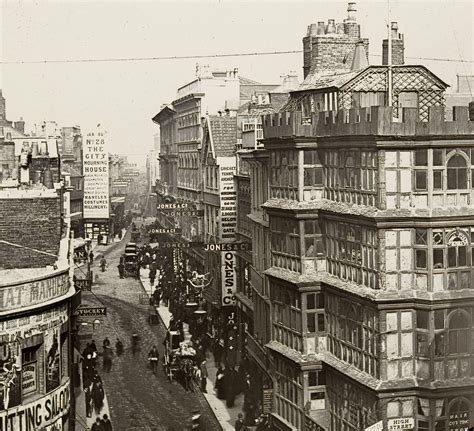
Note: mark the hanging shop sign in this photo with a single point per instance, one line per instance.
(91, 311)
(230, 246)
(34, 292)
(178, 244)
(37, 414)
(183, 213)
(229, 277)
(96, 175)
(228, 197)
(401, 424)
(267, 401)
(376, 427)
(83, 283)
(153, 230)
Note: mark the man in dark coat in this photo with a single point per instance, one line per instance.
(97, 426)
(107, 425)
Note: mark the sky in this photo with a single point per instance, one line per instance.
(124, 96)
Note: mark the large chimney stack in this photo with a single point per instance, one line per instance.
(331, 47)
(398, 47)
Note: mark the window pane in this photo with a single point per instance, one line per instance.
(438, 259)
(462, 256)
(421, 157)
(318, 176)
(462, 178)
(320, 300)
(421, 235)
(439, 319)
(313, 378)
(452, 257)
(420, 180)
(310, 322)
(421, 259)
(422, 319)
(437, 157)
(439, 344)
(452, 179)
(310, 301)
(438, 180)
(321, 323)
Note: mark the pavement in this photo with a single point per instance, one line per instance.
(137, 398)
(225, 415)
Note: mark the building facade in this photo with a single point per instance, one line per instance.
(36, 294)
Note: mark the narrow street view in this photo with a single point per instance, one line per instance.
(137, 399)
(233, 215)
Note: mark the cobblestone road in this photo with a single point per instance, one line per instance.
(138, 399)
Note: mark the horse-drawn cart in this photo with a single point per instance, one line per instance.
(179, 358)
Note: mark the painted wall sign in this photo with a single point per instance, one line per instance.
(34, 292)
(39, 413)
(228, 195)
(27, 326)
(233, 246)
(229, 277)
(96, 175)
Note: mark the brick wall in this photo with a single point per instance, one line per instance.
(33, 223)
(398, 52)
(329, 53)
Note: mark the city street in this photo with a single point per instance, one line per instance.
(138, 400)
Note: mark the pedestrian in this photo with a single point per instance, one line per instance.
(118, 347)
(204, 375)
(239, 423)
(121, 269)
(230, 382)
(153, 358)
(157, 296)
(97, 425)
(91, 257)
(99, 238)
(106, 343)
(103, 263)
(97, 396)
(107, 359)
(107, 425)
(219, 385)
(135, 341)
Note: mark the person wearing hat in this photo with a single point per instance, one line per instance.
(204, 375)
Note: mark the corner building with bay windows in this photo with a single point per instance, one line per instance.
(370, 216)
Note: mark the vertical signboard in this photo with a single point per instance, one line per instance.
(96, 175)
(229, 277)
(228, 213)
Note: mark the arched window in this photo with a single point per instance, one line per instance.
(458, 333)
(457, 172)
(459, 414)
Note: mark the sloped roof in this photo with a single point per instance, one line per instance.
(250, 108)
(223, 134)
(338, 79)
(247, 81)
(316, 81)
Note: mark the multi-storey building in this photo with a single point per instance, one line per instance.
(368, 281)
(36, 295)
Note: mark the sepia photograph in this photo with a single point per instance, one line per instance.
(250, 215)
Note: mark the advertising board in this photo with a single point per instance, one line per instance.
(96, 175)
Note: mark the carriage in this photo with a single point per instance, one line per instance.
(131, 265)
(179, 359)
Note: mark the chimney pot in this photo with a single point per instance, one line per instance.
(331, 26)
(351, 11)
(394, 28)
(321, 27)
(312, 30)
